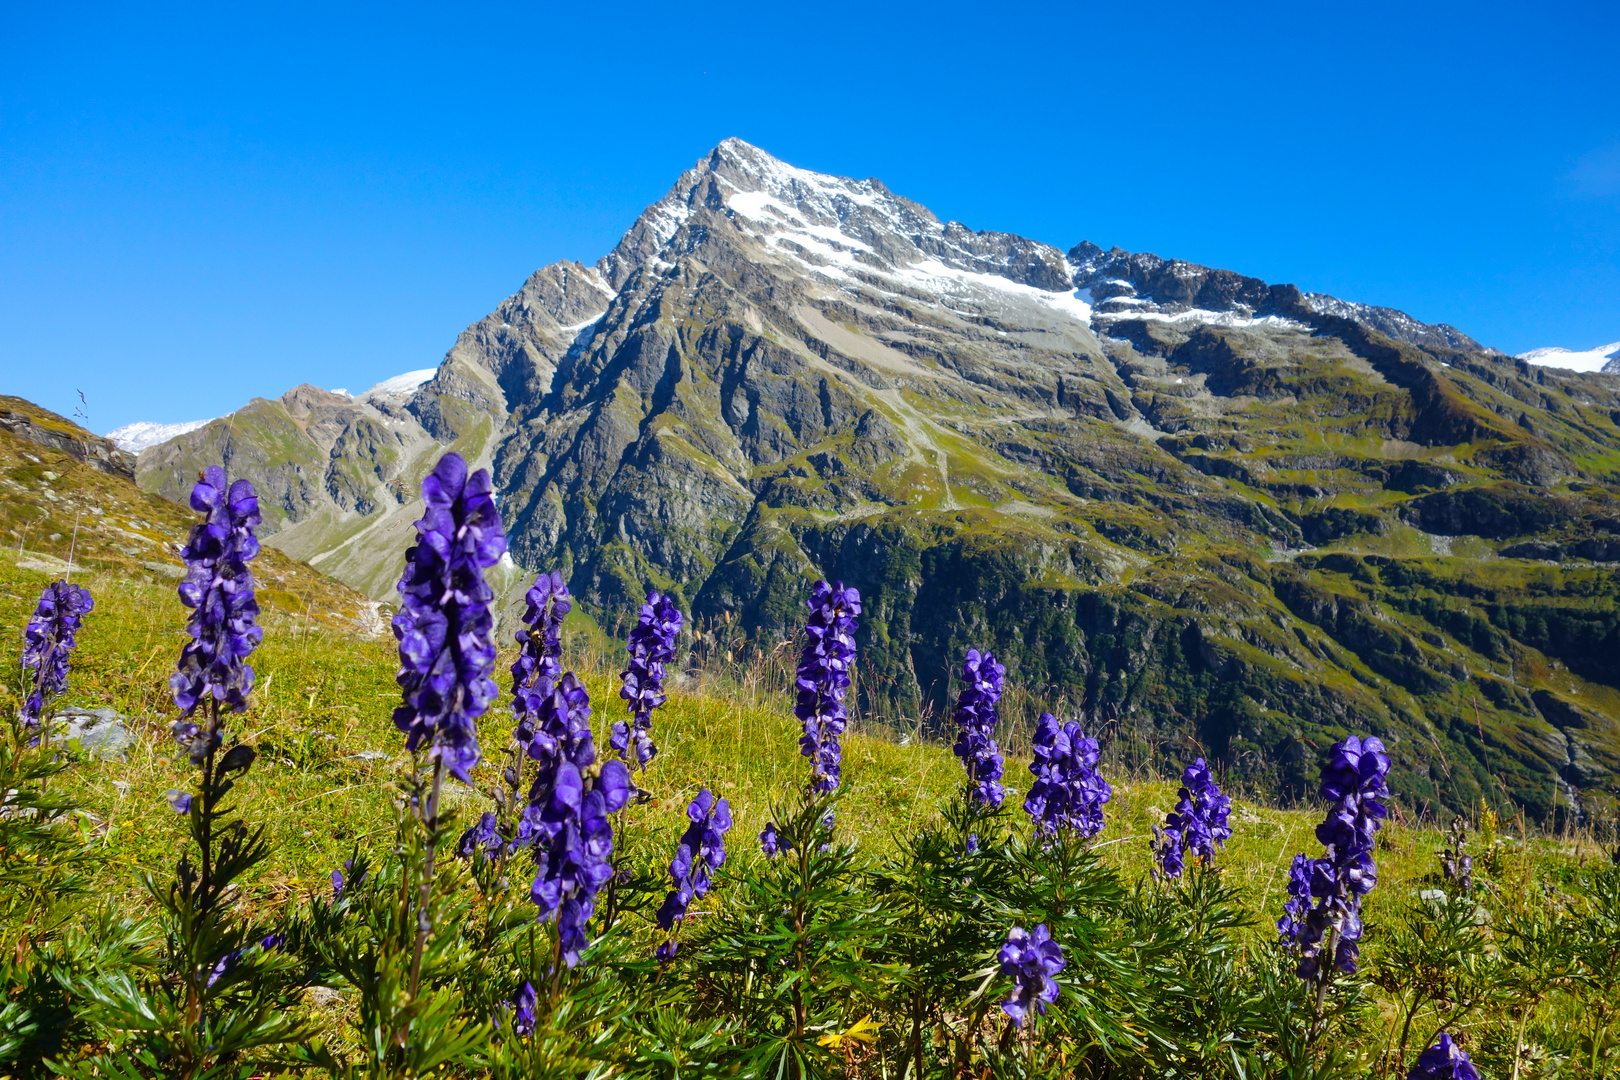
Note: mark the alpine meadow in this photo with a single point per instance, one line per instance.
(818, 640)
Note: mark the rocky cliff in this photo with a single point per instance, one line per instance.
(1190, 505)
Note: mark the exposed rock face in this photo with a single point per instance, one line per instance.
(1110, 467)
(28, 421)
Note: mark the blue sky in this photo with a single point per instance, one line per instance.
(199, 205)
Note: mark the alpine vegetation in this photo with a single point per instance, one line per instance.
(569, 942)
(1032, 960)
(534, 677)
(976, 720)
(652, 645)
(568, 818)
(1445, 1060)
(1196, 827)
(221, 984)
(1328, 934)
(446, 635)
(539, 660)
(1069, 793)
(824, 678)
(702, 851)
(218, 588)
(47, 640)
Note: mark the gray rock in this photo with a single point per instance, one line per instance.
(101, 733)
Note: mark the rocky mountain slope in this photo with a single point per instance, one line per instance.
(1193, 507)
(65, 492)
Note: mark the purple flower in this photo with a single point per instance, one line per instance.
(1443, 1061)
(976, 716)
(823, 679)
(523, 1009)
(652, 645)
(1354, 778)
(567, 818)
(218, 588)
(1299, 900)
(1030, 960)
(228, 962)
(179, 801)
(1068, 792)
(701, 851)
(483, 838)
(339, 883)
(539, 661)
(1197, 826)
(446, 647)
(47, 640)
(770, 841)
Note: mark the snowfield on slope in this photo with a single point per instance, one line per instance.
(1602, 358)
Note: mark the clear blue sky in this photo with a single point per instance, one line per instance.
(202, 203)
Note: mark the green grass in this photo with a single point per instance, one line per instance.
(324, 698)
(321, 719)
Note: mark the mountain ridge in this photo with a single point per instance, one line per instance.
(1184, 503)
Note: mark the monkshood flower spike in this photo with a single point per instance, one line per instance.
(1355, 780)
(651, 645)
(522, 1010)
(445, 632)
(823, 679)
(702, 851)
(1069, 792)
(1443, 1061)
(539, 662)
(218, 588)
(976, 719)
(1031, 960)
(1299, 901)
(568, 820)
(47, 639)
(1196, 827)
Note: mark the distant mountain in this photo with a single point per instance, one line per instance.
(65, 491)
(1603, 358)
(1204, 512)
(142, 434)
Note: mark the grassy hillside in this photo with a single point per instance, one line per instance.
(330, 761)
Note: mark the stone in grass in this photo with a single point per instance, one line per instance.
(101, 733)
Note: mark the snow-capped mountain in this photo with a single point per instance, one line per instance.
(1602, 358)
(1108, 466)
(142, 434)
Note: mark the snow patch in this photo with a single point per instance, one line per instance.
(400, 385)
(143, 433)
(577, 327)
(1204, 317)
(948, 280)
(1598, 359)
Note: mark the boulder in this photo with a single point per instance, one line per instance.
(101, 733)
